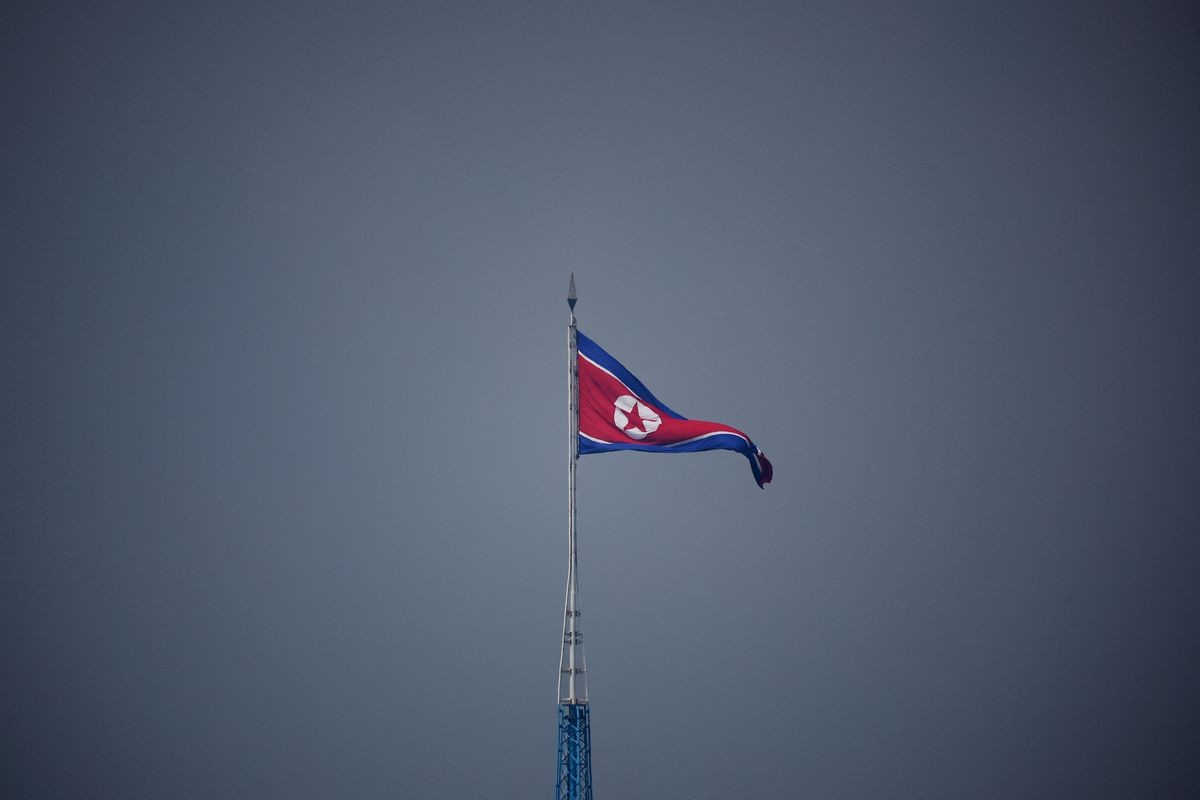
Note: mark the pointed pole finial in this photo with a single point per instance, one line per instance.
(571, 298)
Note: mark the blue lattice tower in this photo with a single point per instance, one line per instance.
(574, 753)
(574, 771)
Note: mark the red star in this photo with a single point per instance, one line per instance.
(635, 419)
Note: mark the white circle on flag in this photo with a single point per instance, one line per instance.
(634, 419)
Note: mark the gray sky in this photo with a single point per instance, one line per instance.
(283, 434)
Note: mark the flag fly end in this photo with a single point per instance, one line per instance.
(765, 471)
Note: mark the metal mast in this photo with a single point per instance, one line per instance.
(574, 778)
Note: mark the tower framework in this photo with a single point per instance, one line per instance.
(574, 770)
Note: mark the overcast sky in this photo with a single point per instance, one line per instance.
(283, 437)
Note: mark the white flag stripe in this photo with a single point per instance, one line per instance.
(674, 444)
(705, 436)
(593, 438)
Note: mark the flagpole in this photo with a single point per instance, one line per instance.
(573, 778)
(572, 684)
(572, 463)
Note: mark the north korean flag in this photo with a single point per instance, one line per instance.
(618, 412)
